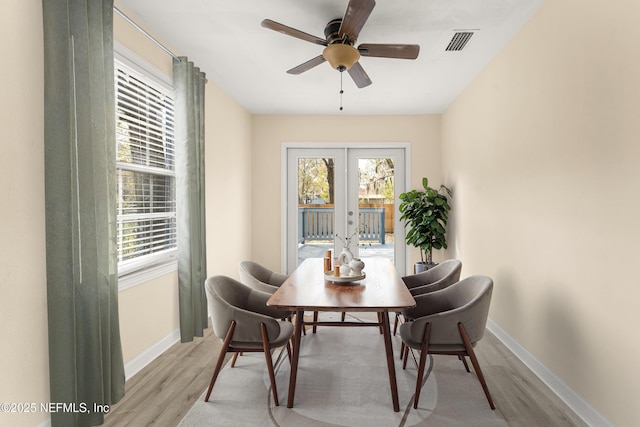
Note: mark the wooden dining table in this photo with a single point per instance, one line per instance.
(307, 289)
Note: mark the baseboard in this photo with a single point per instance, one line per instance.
(135, 365)
(580, 406)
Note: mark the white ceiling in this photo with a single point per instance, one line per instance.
(249, 62)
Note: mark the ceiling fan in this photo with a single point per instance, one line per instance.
(340, 37)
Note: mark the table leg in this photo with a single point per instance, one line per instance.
(296, 354)
(390, 362)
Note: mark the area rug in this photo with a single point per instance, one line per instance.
(343, 381)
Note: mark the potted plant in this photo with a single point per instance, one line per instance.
(425, 215)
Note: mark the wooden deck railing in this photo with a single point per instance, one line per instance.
(316, 223)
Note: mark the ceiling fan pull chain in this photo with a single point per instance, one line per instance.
(341, 91)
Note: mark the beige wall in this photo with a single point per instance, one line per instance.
(422, 132)
(148, 313)
(228, 183)
(542, 153)
(23, 298)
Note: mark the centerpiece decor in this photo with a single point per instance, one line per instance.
(349, 266)
(346, 256)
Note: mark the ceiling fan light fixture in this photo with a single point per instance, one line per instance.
(341, 56)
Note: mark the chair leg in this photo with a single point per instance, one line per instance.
(464, 361)
(474, 362)
(289, 351)
(405, 356)
(402, 345)
(423, 360)
(267, 356)
(223, 351)
(344, 315)
(235, 357)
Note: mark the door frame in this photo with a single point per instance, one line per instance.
(399, 229)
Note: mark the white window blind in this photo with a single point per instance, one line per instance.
(145, 154)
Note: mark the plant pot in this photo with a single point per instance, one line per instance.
(419, 267)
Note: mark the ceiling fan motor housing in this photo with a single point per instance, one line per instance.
(340, 53)
(331, 31)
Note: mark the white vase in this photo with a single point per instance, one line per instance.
(356, 265)
(345, 256)
(345, 270)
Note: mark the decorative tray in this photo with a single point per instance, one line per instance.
(343, 279)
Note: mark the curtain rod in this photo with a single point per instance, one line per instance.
(142, 30)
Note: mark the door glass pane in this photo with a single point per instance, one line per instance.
(316, 216)
(376, 207)
(326, 190)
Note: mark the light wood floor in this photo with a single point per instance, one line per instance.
(164, 391)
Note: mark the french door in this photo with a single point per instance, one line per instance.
(336, 196)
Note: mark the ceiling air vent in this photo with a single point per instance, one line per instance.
(459, 41)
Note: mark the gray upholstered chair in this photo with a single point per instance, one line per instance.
(243, 321)
(452, 322)
(439, 277)
(259, 277)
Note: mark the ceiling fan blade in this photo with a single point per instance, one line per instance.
(359, 76)
(305, 66)
(356, 15)
(399, 51)
(281, 28)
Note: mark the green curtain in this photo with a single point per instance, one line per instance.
(85, 354)
(188, 87)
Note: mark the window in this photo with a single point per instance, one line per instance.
(145, 154)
